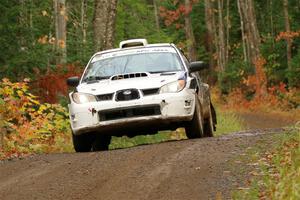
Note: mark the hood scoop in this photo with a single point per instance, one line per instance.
(128, 76)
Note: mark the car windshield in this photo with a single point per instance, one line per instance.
(145, 62)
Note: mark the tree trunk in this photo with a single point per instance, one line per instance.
(191, 42)
(60, 30)
(210, 25)
(104, 24)
(221, 37)
(251, 43)
(228, 26)
(244, 37)
(84, 20)
(218, 37)
(84, 26)
(287, 29)
(156, 15)
(250, 34)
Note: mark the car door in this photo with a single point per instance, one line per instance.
(203, 94)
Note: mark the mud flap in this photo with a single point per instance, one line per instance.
(214, 116)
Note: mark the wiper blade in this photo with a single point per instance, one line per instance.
(164, 72)
(157, 72)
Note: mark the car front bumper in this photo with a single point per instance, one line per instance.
(173, 108)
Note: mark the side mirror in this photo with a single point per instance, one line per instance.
(73, 81)
(198, 66)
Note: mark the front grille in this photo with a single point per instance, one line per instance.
(153, 91)
(127, 95)
(129, 112)
(104, 97)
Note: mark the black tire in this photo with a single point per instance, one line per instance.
(208, 127)
(101, 143)
(194, 128)
(82, 143)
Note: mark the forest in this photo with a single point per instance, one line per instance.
(236, 37)
(252, 47)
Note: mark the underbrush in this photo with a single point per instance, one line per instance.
(228, 122)
(257, 92)
(27, 126)
(278, 173)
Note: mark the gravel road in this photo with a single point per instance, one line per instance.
(207, 168)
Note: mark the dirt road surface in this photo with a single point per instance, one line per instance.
(206, 168)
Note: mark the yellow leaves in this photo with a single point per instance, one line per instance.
(44, 13)
(20, 93)
(6, 91)
(43, 39)
(28, 122)
(52, 41)
(61, 44)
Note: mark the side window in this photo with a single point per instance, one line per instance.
(187, 63)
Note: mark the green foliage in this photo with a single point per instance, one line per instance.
(125, 142)
(233, 75)
(294, 73)
(228, 122)
(21, 26)
(79, 49)
(136, 19)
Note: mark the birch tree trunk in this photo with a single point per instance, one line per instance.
(84, 24)
(104, 24)
(156, 15)
(60, 15)
(218, 37)
(251, 43)
(250, 34)
(228, 27)
(210, 26)
(84, 20)
(221, 37)
(244, 37)
(191, 42)
(287, 29)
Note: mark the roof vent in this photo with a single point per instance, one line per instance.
(133, 43)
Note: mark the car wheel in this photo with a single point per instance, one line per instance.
(101, 143)
(82, 143)
(208, 127)
(194, 128)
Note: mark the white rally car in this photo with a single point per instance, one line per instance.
(136, 89)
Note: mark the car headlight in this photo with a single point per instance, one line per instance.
(173, 87)
(81, 98)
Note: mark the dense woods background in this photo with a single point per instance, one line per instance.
(232, 35)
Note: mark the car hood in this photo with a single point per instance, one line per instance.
(111, 86)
